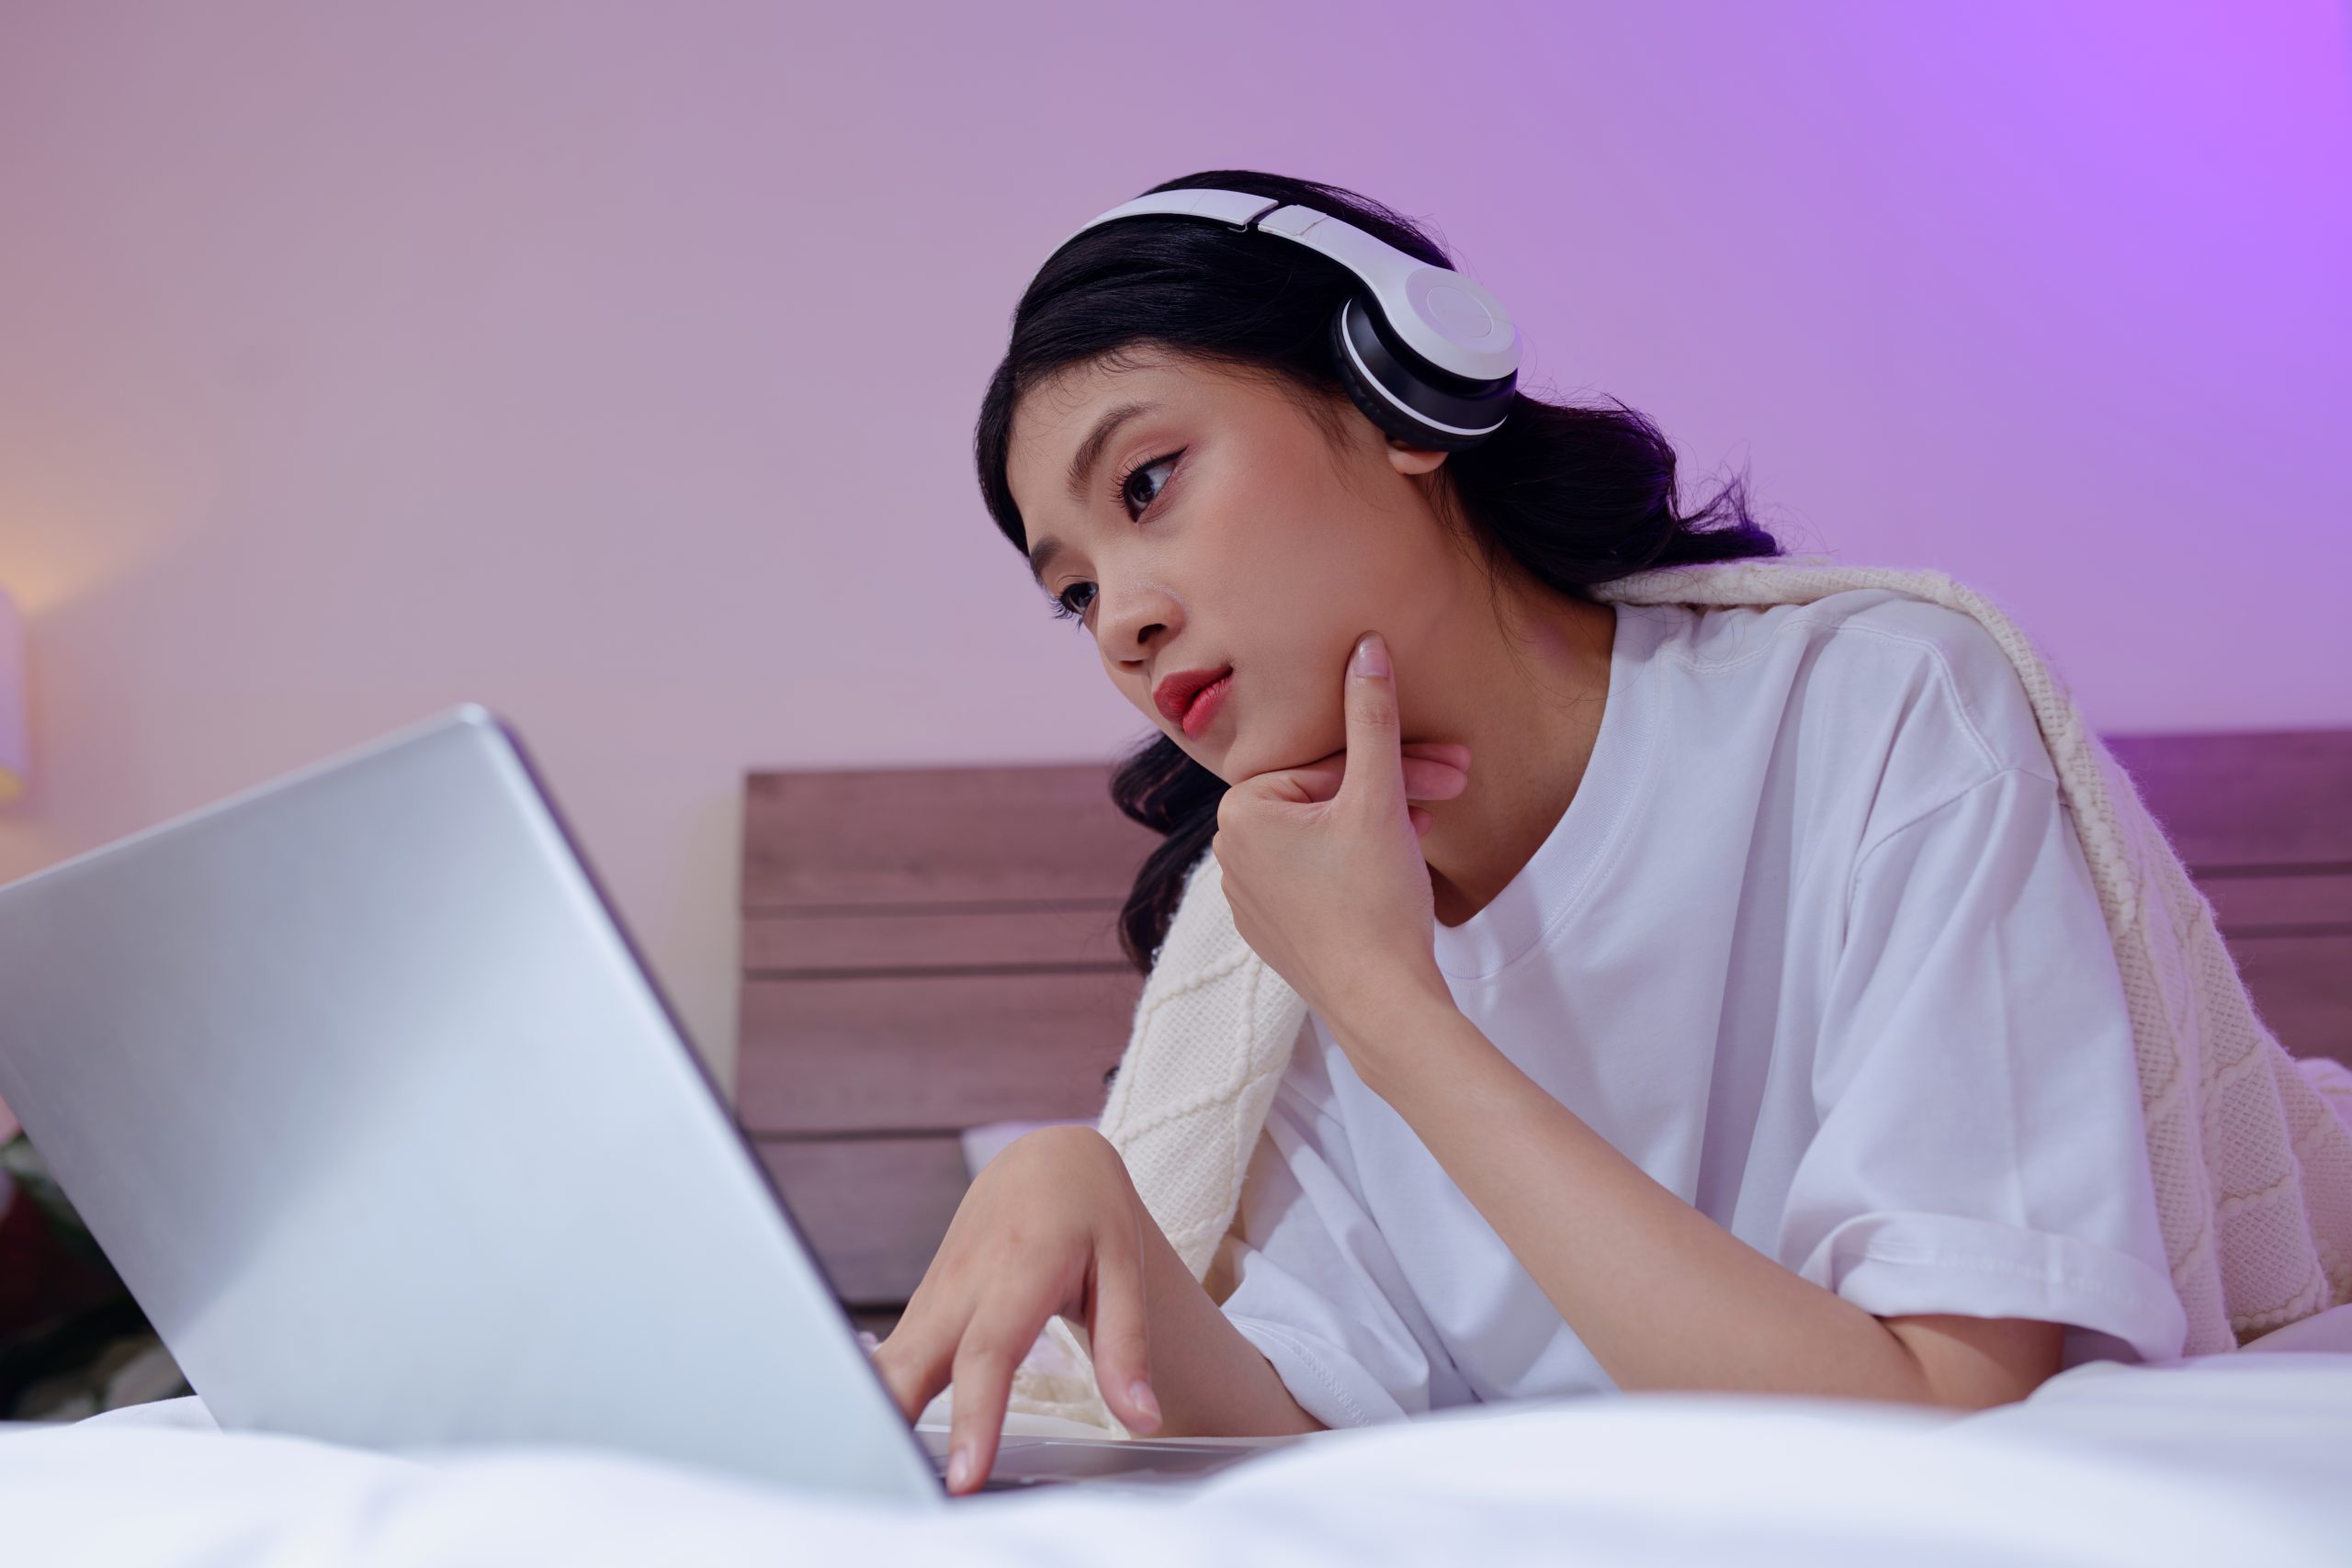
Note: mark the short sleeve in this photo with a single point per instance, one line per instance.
(1317, 1290)
(1979, 1147)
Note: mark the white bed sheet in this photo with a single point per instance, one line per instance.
(2245, 1458)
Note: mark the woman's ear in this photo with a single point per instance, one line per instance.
(1412, 460)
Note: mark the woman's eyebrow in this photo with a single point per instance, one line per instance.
(1047, 548)
(1089, 451)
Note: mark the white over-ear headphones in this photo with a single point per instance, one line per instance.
(1431, 356)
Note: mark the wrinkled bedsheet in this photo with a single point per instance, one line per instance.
(2241, 1457)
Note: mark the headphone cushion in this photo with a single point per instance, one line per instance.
(1385, 415)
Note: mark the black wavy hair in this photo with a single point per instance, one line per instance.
(1574, 496)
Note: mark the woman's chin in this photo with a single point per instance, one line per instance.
(1221, 759)
(1234, 763)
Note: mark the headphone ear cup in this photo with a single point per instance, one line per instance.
(1377, 406)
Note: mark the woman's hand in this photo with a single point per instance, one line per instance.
(1051, 1226)
(1327, 884)
(1054, 1225)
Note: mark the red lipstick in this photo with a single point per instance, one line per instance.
(1190, 698)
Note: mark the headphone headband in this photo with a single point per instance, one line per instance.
(1449, 319)
(1429, 355)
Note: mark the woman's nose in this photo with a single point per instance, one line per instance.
(1135, 623)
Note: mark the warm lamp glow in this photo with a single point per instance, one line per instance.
(16, 738)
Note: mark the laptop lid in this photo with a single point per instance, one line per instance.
(364, 1089)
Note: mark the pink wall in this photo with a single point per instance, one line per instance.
(615, 365)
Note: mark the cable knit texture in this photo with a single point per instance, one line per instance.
(2251, 1148)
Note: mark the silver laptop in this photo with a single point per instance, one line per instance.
(371, 1102)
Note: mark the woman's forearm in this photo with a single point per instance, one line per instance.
(1210, 1381)
(1662, 1296)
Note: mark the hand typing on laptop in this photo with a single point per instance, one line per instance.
(1054, 1225)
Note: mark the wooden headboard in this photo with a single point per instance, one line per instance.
(924, 950)
(929, 948)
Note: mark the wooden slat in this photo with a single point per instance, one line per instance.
(2272, 798)
(990, 834)
(776, 945)
(2250, 904)
(873, 1208)
(933, 1052)
(2302, 986)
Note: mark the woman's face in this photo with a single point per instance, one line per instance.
(1198, 519)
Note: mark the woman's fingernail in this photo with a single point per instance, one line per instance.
(1140, 1395)
(959, 1469)
(1371, 655)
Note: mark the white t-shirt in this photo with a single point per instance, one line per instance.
(1814, 945)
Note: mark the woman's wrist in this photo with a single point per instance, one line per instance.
(1396, 1036)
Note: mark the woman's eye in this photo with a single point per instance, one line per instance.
(1134, 504)
(1071, 602)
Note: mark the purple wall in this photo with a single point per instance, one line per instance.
(616, 364)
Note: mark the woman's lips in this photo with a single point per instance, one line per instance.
(1204, 704)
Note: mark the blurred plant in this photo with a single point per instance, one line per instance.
(72, 1340)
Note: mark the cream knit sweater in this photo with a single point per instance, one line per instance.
(2251, 1150)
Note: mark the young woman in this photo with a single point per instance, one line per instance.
(1705, 1000)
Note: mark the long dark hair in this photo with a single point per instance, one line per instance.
(1575, 496)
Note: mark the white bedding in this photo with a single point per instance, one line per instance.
(2243, 1457)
